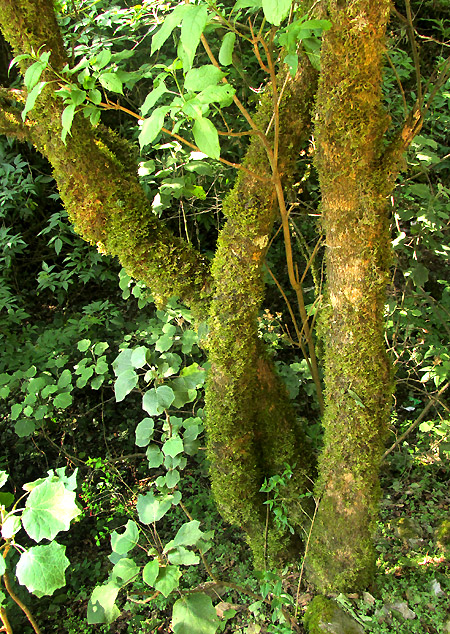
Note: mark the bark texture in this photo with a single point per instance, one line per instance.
(252, 432)
(350, 130)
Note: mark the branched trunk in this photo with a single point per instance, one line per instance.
(350, 132)
(251, 426)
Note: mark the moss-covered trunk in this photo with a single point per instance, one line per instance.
(251, 427)
(350, 130)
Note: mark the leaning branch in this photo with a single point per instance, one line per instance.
(11, 123)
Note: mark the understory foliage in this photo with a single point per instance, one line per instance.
(224, 307)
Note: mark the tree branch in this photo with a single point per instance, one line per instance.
(11, 123)
(103, 198)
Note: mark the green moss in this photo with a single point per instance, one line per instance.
(324, 615)
(320, 609)
(350, 132)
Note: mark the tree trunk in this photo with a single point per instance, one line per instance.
(252, 432)
(350, 130)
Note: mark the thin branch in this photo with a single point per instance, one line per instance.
(298, 332)
(6, 625)
(400, 85)
(419, 419)
(297, 287)
(16, 599)
(415, 53)
(237, 102)
(304, 557)
(110, 105)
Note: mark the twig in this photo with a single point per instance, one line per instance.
(400, 85)
(419, 419)
(6, 625)
(16, 599)
(415, 54)
(295, 283)
(298, 332)
(304, 558)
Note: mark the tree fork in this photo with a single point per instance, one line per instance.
(252, 432)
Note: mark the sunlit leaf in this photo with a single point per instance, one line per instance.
(206, 137)
(194, 613)
(41, 568)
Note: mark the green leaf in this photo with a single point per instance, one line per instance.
(41, 569)
(419, 274)
(226, 49)
(2, 566)
(102, 59)
(111, 82)
(101, 606)
(125, 382)
(66, 120)
(31, 99)
(3, 478)
(197, 79)
(153, 97)
(100, 347)
(292, 61)
(155, 456)
(123, 361)
(152, 126)
(188, 535)
(171, 21)
(139, 357)
(206, 137)
(70, 482)
(168, 579)
(189, 339)
(77, 96)
(172, 478)
(83, 345)
(124, 571)
(95, 96)
(63, 400)
(124, 542)
(275, 11)
(194, 613)
(16, 410)
(183, 557)
(33, 74)
(150, 572)
(49, 509)
(156, 400)
(222, 94)
(173, 446)
(10, 526)
(194, 22)
(144, 432)
(24, 427)
(64, 379)
(150, 509)
(164, 343)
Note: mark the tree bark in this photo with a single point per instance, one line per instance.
(354, 184)
(252, 431)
